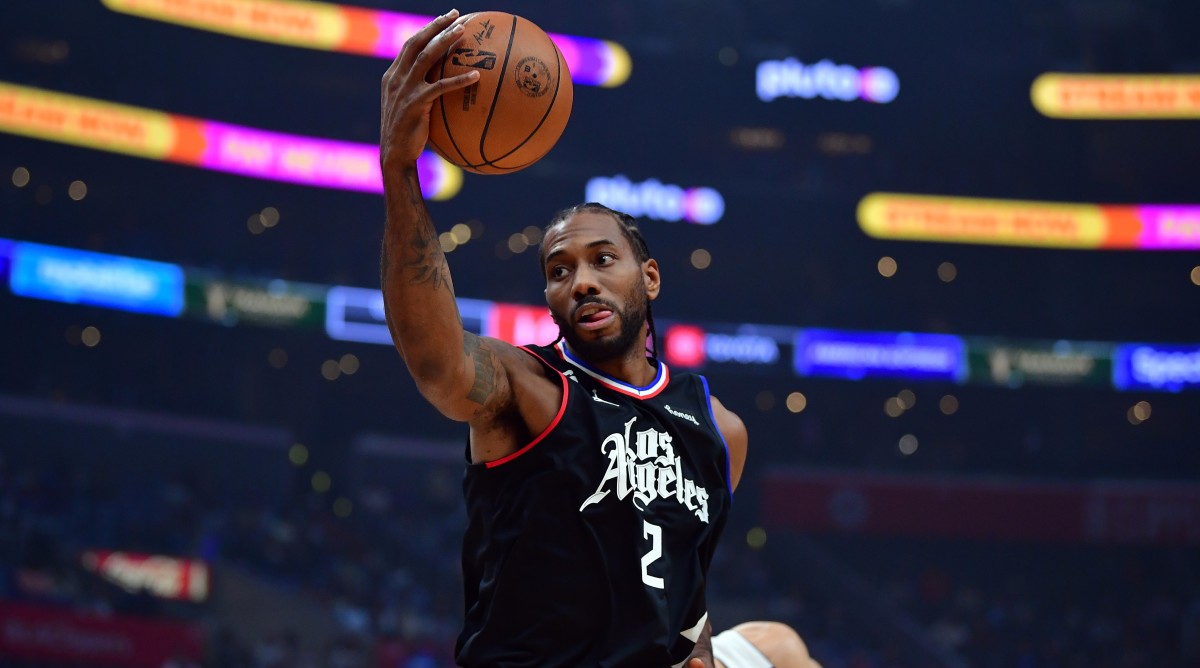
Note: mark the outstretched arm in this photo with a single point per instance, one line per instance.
(455, 370)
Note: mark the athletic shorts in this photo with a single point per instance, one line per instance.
(732, 649)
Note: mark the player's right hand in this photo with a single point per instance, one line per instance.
(407, 96)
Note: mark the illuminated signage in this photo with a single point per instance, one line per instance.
(221, 147)
(791, 78)
(683, 345)
(656, 200)
(357, 314)
(1025, 223)
(82, 277)
(6, 247)
(157, 575)
(1156, 367)
(520, 325)
(1041, 363)
(332, 27)
(1137, 96)
(691, 346)
(856, 355)
(275, 303)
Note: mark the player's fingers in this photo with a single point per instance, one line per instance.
(443, 86)
(414, 44)
(438, 46)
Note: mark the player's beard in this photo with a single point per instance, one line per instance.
(631, 317)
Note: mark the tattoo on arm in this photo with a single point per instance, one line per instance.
(429, 262)
(486, 368)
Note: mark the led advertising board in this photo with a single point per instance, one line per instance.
(656, 200)
(857, 355)
(1164, 368)
(357, 314)
(97, 279)
(156, 135)
(1116, 96)
(1026, 223)
(348, 29)
(824, 79)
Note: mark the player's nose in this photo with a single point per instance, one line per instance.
(585, 283)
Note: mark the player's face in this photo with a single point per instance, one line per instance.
(597, 290)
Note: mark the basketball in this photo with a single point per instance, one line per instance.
(518, 108)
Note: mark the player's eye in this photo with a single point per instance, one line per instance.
(606, 258)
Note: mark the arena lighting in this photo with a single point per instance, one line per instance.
(791, 78)
(156, 135)
(357, 314)
(519, 324)
(155, 574)
(83, 277)
(656, 200)
(691, 346)
(857, 355)
(367, 32)
(1117, 96)
(1026, 223)
(1170, 368)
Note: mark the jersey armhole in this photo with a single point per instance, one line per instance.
(562, 408)
(712, 420)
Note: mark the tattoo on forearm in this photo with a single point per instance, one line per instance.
(485, 368)
(429, 262)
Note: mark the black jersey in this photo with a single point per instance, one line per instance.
(590, 546)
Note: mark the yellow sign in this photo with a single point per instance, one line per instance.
(291, 22)
(982, 221)
(1093, 96)
(85, 122)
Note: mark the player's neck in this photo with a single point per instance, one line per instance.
(633, 368)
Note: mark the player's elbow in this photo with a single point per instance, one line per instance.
(440, 382)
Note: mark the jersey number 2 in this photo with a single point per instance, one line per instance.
(654, 533)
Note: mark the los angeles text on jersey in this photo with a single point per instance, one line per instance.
(647, 468)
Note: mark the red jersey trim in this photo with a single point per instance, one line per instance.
(659, 383)
(562, 409)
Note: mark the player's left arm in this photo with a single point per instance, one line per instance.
(734, 431)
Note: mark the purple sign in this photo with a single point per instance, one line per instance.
(1156, 367)
(855, 355)
(1169, 227)
(310, 161)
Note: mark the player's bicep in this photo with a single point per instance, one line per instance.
(733, 430)
(481, 385)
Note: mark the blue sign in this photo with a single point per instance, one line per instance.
(357, 314)
(83, 277)
(1139, 366)
(855, 355)
(6, 249)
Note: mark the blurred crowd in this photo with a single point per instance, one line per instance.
(385, 574)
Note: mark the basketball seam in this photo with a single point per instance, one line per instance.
(512, 35)
(549, 108)
(442, 105)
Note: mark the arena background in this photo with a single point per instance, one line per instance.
(973, 420)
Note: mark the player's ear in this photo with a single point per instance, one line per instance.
(652, 277)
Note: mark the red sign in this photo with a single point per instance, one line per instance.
(51, 634)
(987, 509)
(164, 577)
(684, 346)
(521, 325)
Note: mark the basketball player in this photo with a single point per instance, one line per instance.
(598, 481)
(761, 645)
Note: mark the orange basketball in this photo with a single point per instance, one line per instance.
(518, 108)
